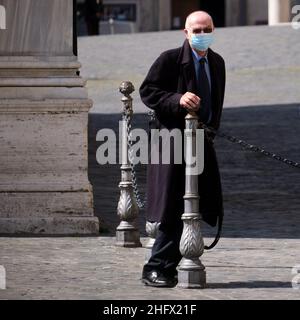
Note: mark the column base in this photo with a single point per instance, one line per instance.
(128, 238)
(195, 279)
(62, 226)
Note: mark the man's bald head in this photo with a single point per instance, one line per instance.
(198, 18)
(199, 22)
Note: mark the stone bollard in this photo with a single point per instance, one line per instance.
(151, 230)
(127, 234)
(191, 272)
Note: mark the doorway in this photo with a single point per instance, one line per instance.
(181, 9)
(216, 8)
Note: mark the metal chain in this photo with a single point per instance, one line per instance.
(250, 147)
(245, 145)
(139, 201)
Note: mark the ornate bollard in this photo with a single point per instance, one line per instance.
(151, 230)
(191, 272)
(127, 234)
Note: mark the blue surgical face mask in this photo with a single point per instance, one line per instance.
(201, 41)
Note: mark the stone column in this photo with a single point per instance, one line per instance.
(44, 187)
(164, 13)
(236, 12)
(279, 11)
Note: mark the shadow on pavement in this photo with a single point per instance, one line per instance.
(250, 285)
(261, 195)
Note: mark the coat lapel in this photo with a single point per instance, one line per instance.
(214, 86)
(188, 68)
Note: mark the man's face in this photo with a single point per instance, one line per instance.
(197, 24)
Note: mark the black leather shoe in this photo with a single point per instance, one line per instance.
(154, 279)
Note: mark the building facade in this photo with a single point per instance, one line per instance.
(125, 16)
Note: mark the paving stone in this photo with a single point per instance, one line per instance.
(93, 268)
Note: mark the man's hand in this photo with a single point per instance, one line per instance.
(190, 101)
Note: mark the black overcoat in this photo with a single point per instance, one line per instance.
(170, 76)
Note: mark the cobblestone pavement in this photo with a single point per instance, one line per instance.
(261, 237)
(93, 268)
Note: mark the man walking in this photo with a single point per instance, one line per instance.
(182, 80)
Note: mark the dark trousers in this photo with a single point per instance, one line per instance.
(165, 252)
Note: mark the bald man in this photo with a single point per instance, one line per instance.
(186, 79)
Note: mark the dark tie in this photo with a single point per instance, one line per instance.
(204, 93)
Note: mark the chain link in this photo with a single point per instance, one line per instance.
(139, 201)
(249, 146)
(141, 204)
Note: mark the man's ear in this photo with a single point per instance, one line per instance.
(186, 32)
